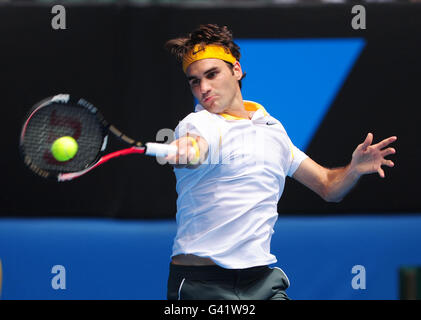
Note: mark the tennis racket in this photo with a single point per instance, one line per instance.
(62, 115)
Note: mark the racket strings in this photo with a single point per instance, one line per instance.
(54, 121)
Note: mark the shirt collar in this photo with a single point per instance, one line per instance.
(260, 111)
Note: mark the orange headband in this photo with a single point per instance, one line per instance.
(200, 52)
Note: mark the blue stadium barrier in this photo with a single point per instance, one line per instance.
(128, 259)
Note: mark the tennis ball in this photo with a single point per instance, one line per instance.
(64, 148)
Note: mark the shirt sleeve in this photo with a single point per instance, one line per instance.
(189, 125)
(297, 157)
(198, 124)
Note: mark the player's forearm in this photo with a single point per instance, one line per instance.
(339, 182)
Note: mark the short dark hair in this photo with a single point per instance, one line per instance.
(205, 34)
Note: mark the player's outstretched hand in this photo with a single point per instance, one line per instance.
(369, 158)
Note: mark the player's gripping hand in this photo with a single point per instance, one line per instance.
(192, 151)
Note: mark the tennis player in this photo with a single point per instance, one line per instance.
(231, 168)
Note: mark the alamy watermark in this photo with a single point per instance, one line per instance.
(359, 280)
(249, 148)
(58, 282)
(359, 20)
(58, 22)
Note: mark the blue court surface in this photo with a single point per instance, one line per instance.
(340, 257)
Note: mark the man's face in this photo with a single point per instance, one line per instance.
(214, 84)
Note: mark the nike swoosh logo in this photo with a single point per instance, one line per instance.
(271, 123)
(197, 51)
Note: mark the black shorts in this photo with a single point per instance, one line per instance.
(217, 283)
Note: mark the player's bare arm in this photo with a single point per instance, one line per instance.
(192, 152)
(333, 184)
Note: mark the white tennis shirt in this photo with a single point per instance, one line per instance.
(227, 207)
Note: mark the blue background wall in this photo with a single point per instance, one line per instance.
(296, 80)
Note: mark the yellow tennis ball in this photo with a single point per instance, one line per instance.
(64, 148)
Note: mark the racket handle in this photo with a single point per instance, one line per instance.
(160, 149)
